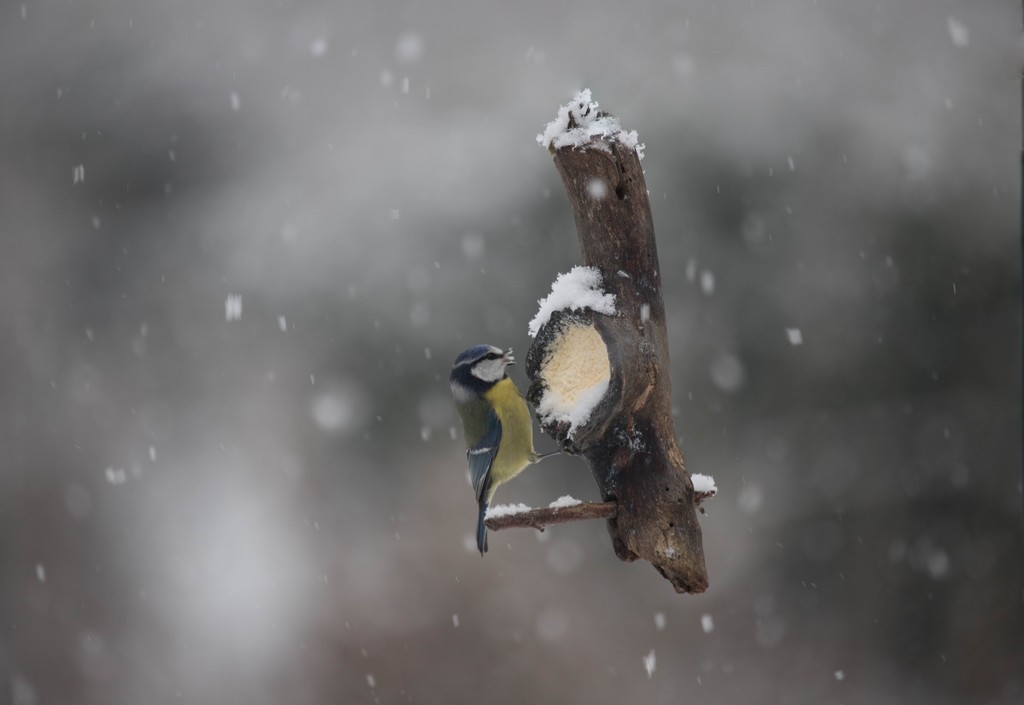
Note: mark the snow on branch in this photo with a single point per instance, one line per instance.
(704, 485)
(575, 290)
(580, 125)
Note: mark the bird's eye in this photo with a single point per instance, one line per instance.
(493, 356)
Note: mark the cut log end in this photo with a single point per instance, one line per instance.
(571, 371)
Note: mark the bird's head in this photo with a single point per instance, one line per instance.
(479, 367)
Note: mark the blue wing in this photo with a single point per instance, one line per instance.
(481, 457)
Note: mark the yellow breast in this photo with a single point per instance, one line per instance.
(516, 449)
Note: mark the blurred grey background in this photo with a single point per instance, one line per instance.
(207, 504)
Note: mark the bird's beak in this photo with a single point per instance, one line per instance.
(509, 360)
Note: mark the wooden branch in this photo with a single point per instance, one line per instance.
(629, 440)
(546, 516)
(543, 517)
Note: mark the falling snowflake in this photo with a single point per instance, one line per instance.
(650, 663)
(233, 307)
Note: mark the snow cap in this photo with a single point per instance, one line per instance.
(703, 484)
(577, 289)
(580, 125)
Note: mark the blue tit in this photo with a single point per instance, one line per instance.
(495, 422)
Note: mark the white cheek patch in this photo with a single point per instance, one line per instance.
(489, 370)
(462, 394)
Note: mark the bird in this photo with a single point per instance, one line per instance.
(496, 424)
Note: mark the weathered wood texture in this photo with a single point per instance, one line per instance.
(630, 441)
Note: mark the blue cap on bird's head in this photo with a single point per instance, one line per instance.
(482, 352)
(482, 361)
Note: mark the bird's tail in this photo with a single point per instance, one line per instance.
(481, 529)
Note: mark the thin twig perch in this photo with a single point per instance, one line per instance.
(544, 517)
